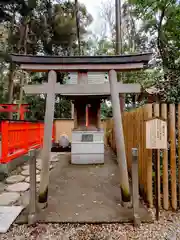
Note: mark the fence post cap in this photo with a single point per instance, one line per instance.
(32, 152)
(135, 152)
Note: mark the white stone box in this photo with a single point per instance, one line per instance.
(91, 152)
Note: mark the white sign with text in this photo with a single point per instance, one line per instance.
(156, 134)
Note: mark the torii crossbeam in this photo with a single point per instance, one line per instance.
(81, 89)
(109, 64)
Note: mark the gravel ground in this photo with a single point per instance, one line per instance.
(167, 228)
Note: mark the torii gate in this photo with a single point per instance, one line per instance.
(82, 65)
(14, 108)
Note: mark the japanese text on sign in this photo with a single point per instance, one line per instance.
(156, 134)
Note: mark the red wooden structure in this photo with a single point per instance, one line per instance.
(17, 138)
(15, 108)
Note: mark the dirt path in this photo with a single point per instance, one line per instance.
(86, 193)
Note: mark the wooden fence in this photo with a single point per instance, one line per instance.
(168, 160)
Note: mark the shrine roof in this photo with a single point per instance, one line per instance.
(122, 59)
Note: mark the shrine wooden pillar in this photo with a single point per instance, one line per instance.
(75, 116)
(99, 115)
(72, 110)
(87, 115)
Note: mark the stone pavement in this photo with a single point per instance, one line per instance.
(82, 194)
(16, 186)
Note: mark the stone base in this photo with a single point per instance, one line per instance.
(87, 158)
(87, 152)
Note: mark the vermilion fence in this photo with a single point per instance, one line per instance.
(17, 138)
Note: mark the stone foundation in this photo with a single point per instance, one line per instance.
(84, 152)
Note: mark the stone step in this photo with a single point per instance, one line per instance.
(38, 178)
(18, 187)
(15, 179)
(7, 198)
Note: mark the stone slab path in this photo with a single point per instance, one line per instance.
(15, 179)
(82, 194)
(8, 198)
(14, 187)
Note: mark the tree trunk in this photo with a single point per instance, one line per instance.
(118, 28)
(119, 46)
(24, 35)
(78, 27)
(11, 87)
(11, 69)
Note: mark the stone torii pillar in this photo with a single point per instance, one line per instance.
(119, 137)
(47, 143)
(49, 90)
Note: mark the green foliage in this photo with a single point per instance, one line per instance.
(106, 111)
(161, 20)
(49, 27)
(62, 108)
(37, 108)
(38, 27)
(3, 88)
(23, 7)
(105, 46)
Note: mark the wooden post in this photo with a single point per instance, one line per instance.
(72, 110)
(172, 139)
(32, 203)
(26, 136)
(135, 187)
(99, 116)
(157, 188)
(47, 141)
(165, 166)
(22, 80)
(149, 164)
(87, 115)
(21, 112)
(157, 157)
(75, 116)
(119, 137)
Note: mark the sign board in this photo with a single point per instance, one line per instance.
(87, 137)
(156, 134)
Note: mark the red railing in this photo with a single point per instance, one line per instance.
(17, 138)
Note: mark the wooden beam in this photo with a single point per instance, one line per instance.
(79, 67)
(82, 89)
